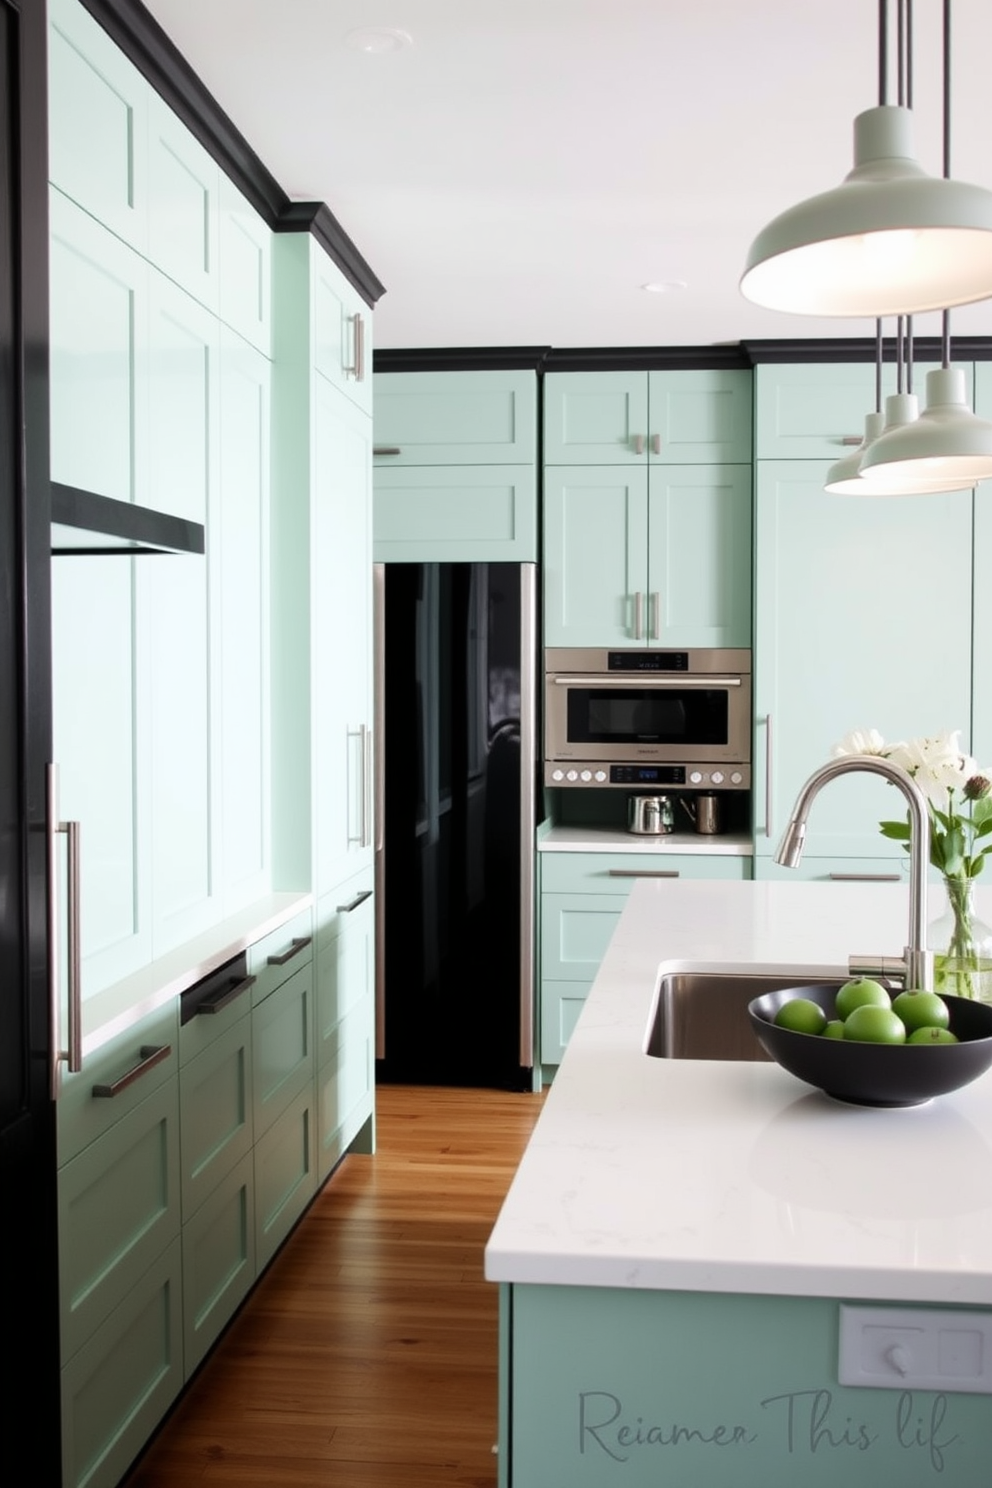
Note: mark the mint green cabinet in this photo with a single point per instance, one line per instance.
(285, 1175)
(245, 268)
(862, 619)
(637, 560)
(455, 418)
(345, 1021)
(665, 417)
(183, 205)
(582, 899)
(342, 333)
(981, 735)
(218, 1244)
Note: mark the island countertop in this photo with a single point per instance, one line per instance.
(709, 1176)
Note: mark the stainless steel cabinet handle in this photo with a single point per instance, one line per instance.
(853, 439)
(224, 996)
(865, 877)
(299, 943)
(386, 449)
(642, 873)
(656, 615)
(150, 1056)
(354, 903)
(604, 680)
(638, 443)
(72, 1056)
(356, 839)
(768, 774)
(638, 616)
(357, 368)
(367, 781)
(656, 444)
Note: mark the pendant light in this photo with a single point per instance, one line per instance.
(890, 240)
(947, 440)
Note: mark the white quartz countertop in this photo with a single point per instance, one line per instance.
(737, 1177)
(616, 840)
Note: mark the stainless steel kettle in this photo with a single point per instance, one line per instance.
(650, 816)
(705, 814)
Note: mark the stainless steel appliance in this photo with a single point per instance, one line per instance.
(456, 787)
(650, 816)
(648, 719)
(705, 813)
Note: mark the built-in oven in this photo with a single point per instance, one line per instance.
(645, 719)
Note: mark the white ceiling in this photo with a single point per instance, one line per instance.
(518, 172)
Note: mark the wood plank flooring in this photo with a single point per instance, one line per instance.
(366, 1356)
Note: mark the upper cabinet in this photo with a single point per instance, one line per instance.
(455, 418)
(666, 417)
(342, 328)
(183, 205)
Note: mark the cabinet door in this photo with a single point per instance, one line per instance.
(811, 411)
(345, 1085)
(342, 331)
(595, 418)
(341, 587)
(183, 205)
(595, 557)
(215, 1110)
(101, 166)
(345, 958)
(456, 514)
(848, 634)
(455, 418)
(699, 555)
(282, 1048)
(284, 1175)
(245, 249)
(218, 1260)
(699, 417)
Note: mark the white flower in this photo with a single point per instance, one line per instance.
(860, 741)
(937, 765)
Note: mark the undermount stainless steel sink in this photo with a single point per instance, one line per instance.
(703, 1014)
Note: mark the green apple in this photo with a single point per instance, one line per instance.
(834, 1029)
(860, 992)
(871, 1024)
(801, 1015)
(932, 1036)
(919, 1009)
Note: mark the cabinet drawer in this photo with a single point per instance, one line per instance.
(614, 873)
(575, 931)
(282, 1048)
(561, 1004)
(120, 1384)
(345, 1085)
(83, 1116)
(460, 418)
(284, 1176)
(215, 1108)
(218, 1260)
(461, 513)
(279, 955)
(825, 870)
(118, 1209)
(345, 962)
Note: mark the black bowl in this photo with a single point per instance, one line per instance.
(876, 1074)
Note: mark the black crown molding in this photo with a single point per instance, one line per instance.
(461, 359)
(862, 349)
(143, 41)
(646, 358)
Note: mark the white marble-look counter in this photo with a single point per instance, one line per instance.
(733, 1177)
(615, 840)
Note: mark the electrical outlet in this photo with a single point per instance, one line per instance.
(915, 1348)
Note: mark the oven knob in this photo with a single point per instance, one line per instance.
(572, 775)
(695, 777)
(717, 777)
(736, 777)
(557, 774)
(600, 774)
(586, 775)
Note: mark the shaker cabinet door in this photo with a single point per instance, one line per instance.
(595, 557)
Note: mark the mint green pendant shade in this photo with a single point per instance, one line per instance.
(890, 240)
(848, 477)
(946, 441)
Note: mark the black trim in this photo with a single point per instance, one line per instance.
(862, 349)
(646, 358)
(143, 42)
(461, 359)
(117, 526)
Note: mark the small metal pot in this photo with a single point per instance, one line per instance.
(705, 814)
(650, 816)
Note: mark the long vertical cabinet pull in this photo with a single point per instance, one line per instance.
(356, 771)
(638, 616)
(768, 774)
(367, 811)
(357, 368)
(656, 615)
(72, 1056)
(379, 817)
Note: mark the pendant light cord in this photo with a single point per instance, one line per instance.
(945, 338)
(883, 51)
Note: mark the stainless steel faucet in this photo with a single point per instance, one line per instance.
(916, 966)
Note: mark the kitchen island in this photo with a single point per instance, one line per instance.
(680, 1238)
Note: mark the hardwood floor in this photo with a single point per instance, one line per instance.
(366, 1356)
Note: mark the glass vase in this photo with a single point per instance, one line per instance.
(962, 945)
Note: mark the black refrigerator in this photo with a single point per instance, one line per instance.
(456, 788)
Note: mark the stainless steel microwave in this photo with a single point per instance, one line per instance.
(646, 719)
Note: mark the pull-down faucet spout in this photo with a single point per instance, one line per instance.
(917, 965)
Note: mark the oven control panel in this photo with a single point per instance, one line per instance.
(647, 777)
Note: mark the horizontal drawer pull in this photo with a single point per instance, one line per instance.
(386, 449)
(298, 944)
(643, 872)
(640, 679)
(866, 877)
(151, 1054)
(224, 996)
(358, 899)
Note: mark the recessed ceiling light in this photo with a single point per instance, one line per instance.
(665, 286)
(375, 40)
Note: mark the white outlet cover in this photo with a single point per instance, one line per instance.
(915, 1348)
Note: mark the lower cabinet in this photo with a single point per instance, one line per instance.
(582, 898)
(345, 1040)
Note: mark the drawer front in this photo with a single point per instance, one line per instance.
(204, 1029)
(284, 1176)
(837, 870)
(120, 1384)
(218, 1260)
(118, 1210)
(345, 964)
(561, 1004)
(461, 418)
(614, 873)
(84, 1116)
(456, 513)
(215, 1107)
(575, 931)
(282, 1048)
(345, 1085)
(280, 954)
